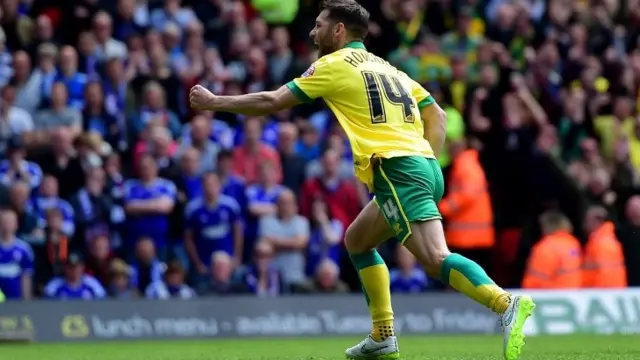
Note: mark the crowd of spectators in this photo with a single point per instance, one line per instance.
(112, 186)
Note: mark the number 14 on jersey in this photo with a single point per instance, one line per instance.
(395, 94)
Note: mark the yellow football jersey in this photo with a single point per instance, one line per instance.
(377, 105)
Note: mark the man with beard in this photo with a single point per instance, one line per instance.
(380, 108)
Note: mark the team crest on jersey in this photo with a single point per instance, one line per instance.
(309, 71)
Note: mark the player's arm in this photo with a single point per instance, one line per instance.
(314, 83)
(255, 104)
(434, 119)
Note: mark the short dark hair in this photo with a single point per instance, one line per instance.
(225, 154)
(354, 17)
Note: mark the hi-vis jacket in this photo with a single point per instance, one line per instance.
(555, 263)
(467, 208)
(603, 265)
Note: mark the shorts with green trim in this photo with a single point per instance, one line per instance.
(407, 189)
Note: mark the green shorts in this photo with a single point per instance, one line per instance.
(407, 189)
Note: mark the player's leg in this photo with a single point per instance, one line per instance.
(361, 240)
(425, 239)
(428, 245)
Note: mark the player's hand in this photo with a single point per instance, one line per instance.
(200, 98)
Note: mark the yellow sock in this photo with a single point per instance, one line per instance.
(470, 279)
(374, 276)
(382, 330)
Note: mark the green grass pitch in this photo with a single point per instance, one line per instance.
(616, 347)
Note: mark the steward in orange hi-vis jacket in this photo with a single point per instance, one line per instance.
(556, 260)
(467, 207)
(603, 263)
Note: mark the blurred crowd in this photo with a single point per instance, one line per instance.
(112, 186)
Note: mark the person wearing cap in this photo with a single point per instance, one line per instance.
(74, 284)
(16, 168)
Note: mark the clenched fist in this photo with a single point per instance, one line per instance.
(200, 98)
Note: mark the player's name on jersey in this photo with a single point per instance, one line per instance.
(356, 58)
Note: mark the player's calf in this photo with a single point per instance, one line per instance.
(430, 252)
(428, 245)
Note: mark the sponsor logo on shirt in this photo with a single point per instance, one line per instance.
(309, 71)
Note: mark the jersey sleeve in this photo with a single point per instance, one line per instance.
(318, 81)
(423, 97)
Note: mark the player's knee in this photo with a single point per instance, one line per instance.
(433, 261)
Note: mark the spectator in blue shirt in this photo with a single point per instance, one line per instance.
(325, 241)
(261, 200)
(198, 137)
(75, 284)
(148, 203)
(71, 77)
(95, 117)
(154, 109)
(219, 132)
(95, 211)
(261, 277)
(16, 259)
(188, 179)
(222, 134)
(269, 133)
(88, 54)
(309, 144)
(48, 198)
(214, 223)
(115, 90)
(124, 21)
(146, 268)
(173, 285)
(232, 185)
(407, 277)
(16, 168)
(172, 12)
